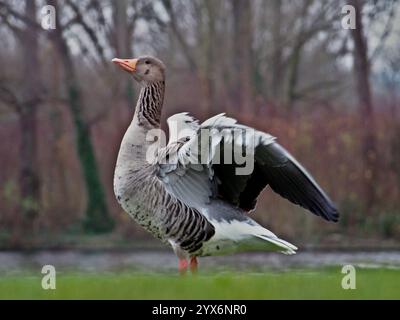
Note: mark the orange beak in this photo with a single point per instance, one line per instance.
(126, 64)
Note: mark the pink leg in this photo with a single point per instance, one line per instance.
(182, 266)
(193, 264)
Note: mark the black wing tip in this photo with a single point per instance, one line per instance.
(335, 217)
(332, 215)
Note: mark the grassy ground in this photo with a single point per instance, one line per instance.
(377, 283)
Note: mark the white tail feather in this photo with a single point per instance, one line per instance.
(287, 247)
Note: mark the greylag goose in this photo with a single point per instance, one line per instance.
(195, 192)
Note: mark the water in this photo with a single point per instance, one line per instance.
(165, 261)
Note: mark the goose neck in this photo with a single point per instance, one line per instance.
(149, 105)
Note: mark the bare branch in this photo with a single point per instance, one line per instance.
(386, 31)
(88, 29)
(9, 97)
(5, 10)
(5, 19)
(172, 23)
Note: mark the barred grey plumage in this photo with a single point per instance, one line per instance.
(150, 103)
(143, 196)
(200, 208)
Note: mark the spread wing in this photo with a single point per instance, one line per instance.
(220, 158)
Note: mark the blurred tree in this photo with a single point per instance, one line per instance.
(288, 37)
(312, 19)
(362, 74)
(25, 103)
(391, 82)
(32, 91)
(277, 51)
(241, 91)
(97, 218)
(208, 74)
(120, 37)
(201, 56)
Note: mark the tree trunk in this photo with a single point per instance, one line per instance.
(122, 37)
(277, 64)
(97, 218)
(120, 28)
(362, 74)
(242, 59)
(294, 63)
(29, 177)
(208, 79)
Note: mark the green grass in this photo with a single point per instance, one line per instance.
(377, 283)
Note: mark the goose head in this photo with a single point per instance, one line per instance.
(144, 70)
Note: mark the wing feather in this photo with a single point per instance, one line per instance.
(194, 178)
